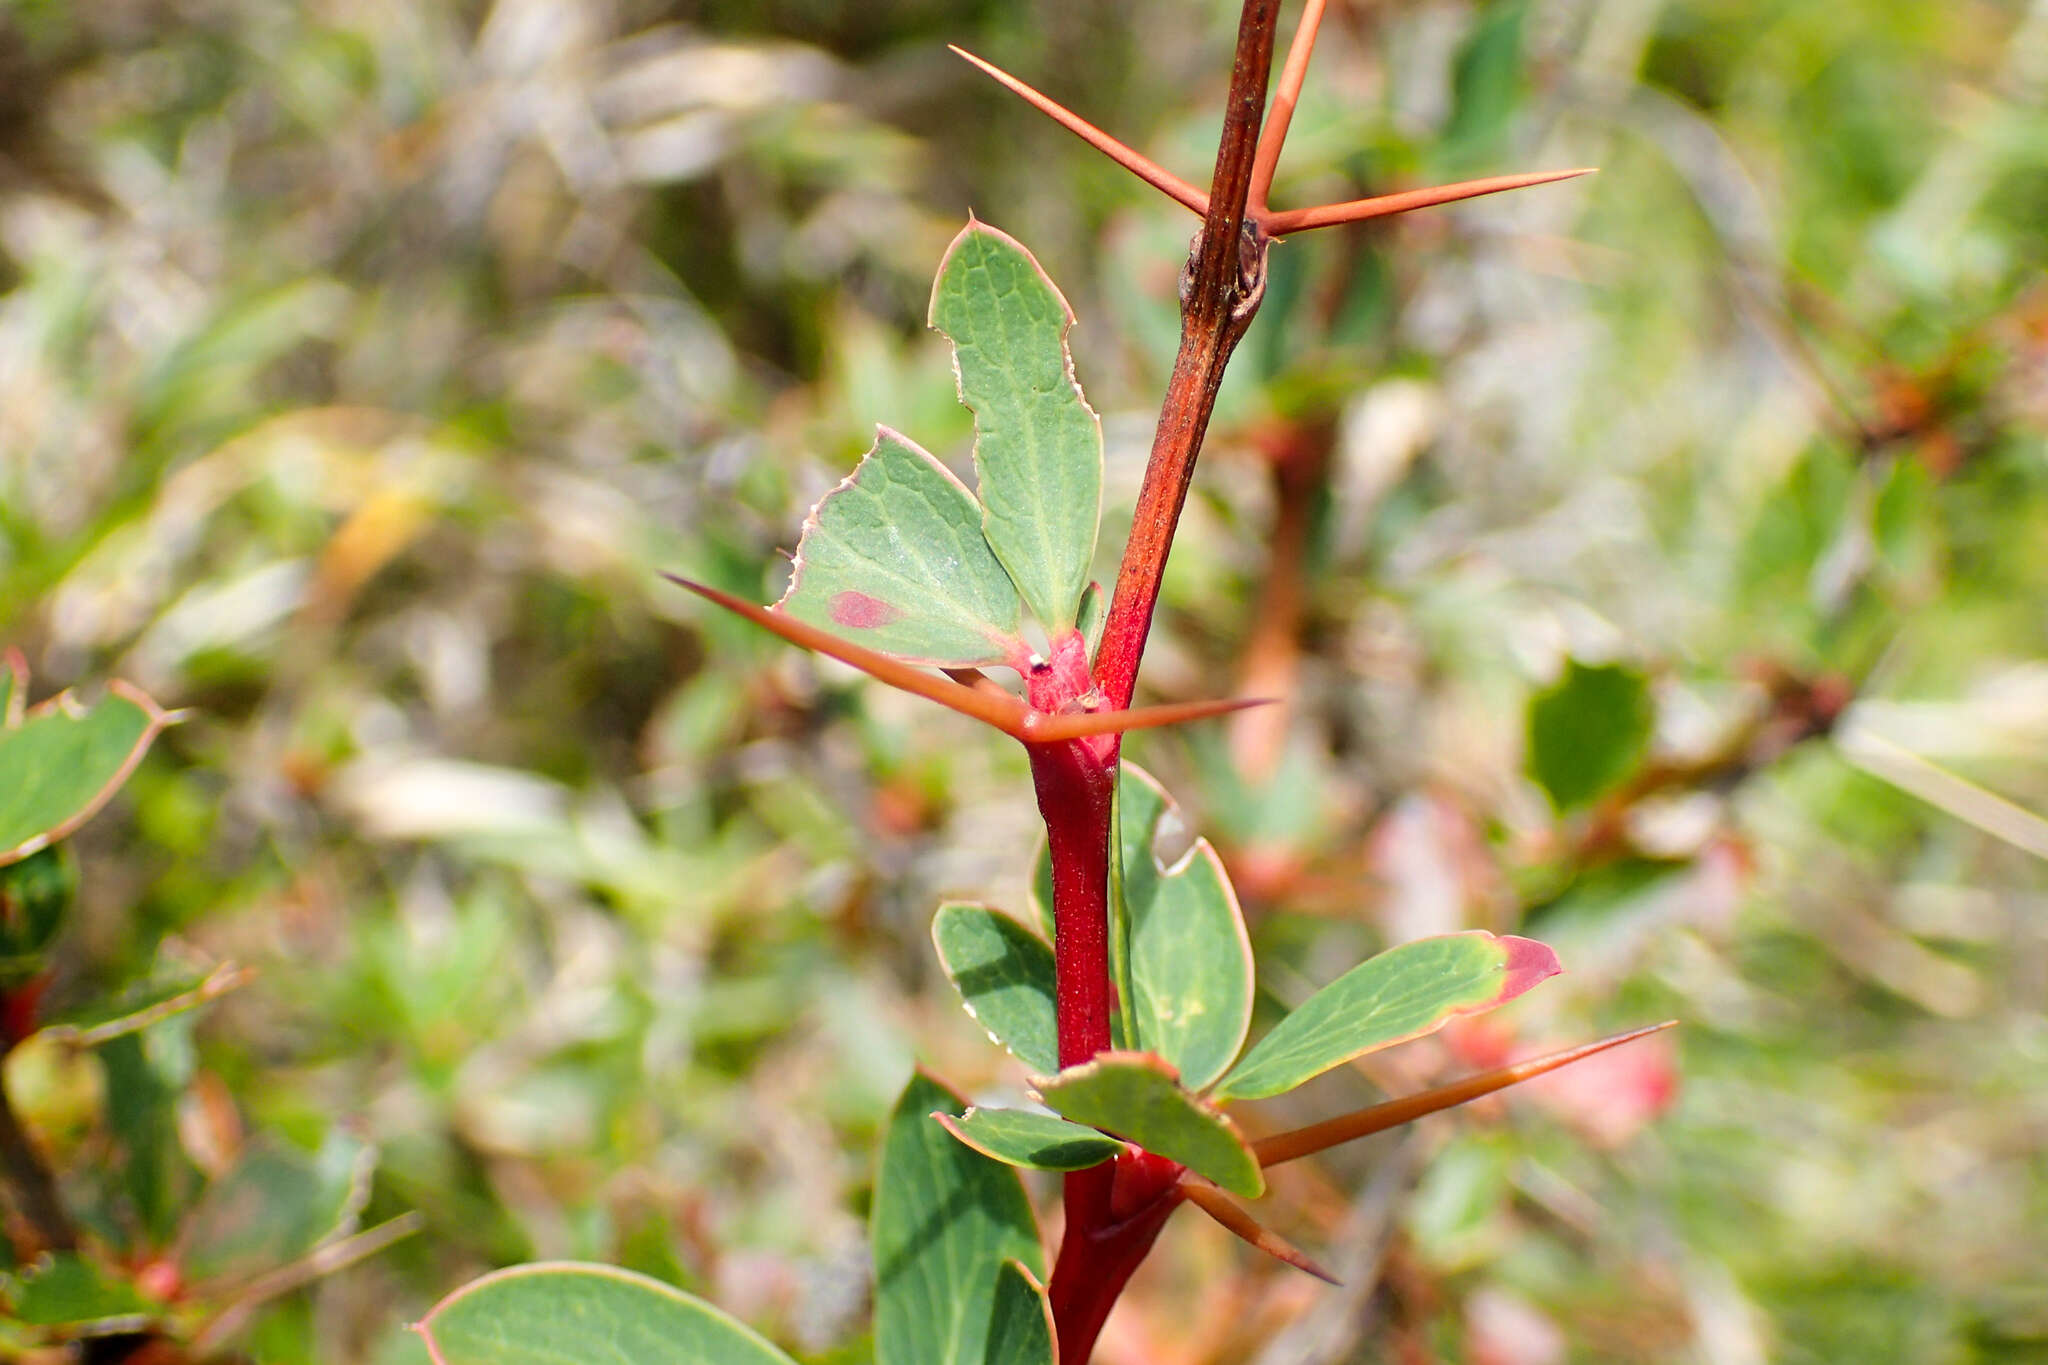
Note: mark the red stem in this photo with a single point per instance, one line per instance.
(1225, 279)
(1114, 1211)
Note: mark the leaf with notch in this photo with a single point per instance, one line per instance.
(893, 559)
(1038, 445)
(1005, 979)
(63, 762)
(1402, 993)
(945, 1220)
(1137, 1096)
(1190, 957)
(1037, 1142)
(564, 1313)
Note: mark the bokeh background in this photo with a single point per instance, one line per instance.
(1655, 563)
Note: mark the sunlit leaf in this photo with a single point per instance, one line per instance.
(893, 559)
(1039, 1142)
(1190, 957)
(1588, 731)
(1005, 979)
(945, 1220)
(1038, 445)
(1402, 993)
(63, 762)
(1136, 1096)
(562, 1313)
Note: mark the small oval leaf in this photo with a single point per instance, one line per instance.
(564, 1313)
(1137, 1096)
(1397, 995)
(1037, 1142)
(1005, 979)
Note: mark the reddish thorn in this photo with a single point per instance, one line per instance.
(1040, 728)
(1392, 1114)
(1138, 164)
(1285, 96)
(1358, 210)
(998, 708)
(1219, 1206)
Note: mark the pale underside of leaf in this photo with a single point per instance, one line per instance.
(1034, 1141)
(1136, 1096)
(894, 559)
(1402, 993)
(1038, 445)
(565, 1313)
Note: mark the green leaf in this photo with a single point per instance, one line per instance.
(1138, 1097)
(945, 1220)
(1021, 1327)
(1005, 978)
(1190, 957)
(1092, 616)
(1038, 1142)
(1400, 994)
(1588, 731)
(1038, 445)
(893, 559)
(142, 1004)
(36, 895)
(66, 1290)
(13, 688)
(65, 760)
(562, 1313)
(274, 1205)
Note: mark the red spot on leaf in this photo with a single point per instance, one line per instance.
(858, 611)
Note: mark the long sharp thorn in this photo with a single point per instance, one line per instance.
(1138, 164)
(1040, 728)
(1380, 1117)
(1005, 712)
(1358, 210)
(1285, 95)
(1219, 1206)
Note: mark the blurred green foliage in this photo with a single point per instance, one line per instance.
(361, 364)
